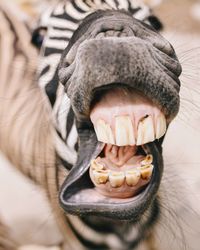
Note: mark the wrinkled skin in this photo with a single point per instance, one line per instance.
(109, 49)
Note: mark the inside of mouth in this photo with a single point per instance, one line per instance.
(125, 122)
(87, 190)
(121, 172)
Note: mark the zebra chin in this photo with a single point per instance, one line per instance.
(112, 52)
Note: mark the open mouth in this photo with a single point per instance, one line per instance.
(119, 164)
(125, 177)
(124, 91)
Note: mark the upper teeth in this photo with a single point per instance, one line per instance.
(124, 130)
(160, 126)
(145, 131)
(104, 132)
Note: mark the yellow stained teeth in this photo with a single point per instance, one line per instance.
(116, 179)
(132, 177)
(104, 132)
(160, 126)
(124, 131)
(100, 176)
(145, 131)
(146, 171)
(147, 160)
(96, 165)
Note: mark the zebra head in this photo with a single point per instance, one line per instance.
(122, 80)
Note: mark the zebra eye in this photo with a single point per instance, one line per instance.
(38, 36)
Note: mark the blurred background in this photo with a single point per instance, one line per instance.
(31, 218)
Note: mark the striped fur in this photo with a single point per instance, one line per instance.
(37, 145)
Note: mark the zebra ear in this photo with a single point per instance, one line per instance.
(155, 22)
(38, 36)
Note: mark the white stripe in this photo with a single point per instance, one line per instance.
(97, 2)
(62, 23)
(62, 115)
(56, 44)
(59, 9)
(72, 137)
(59, 95)
(66, 153)
(135, 4)
(82, 5)
(123, 4)
(88, 233)
(44, 19)
(143, 13)
(52, 61)
(59, 33)
(69, 8)
(111, 3)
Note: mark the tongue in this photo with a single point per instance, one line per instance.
(117, 155)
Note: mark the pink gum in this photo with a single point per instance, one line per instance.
(120, 102)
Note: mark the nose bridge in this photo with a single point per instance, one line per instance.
(110, 60)
(101, 62)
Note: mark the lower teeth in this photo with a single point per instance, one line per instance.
(101, 175)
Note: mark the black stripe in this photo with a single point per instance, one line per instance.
(145, 229)
(133, 10)
(64, 163)
(66, 16)
(70, 121)
(59, 134)
(116, 3)
(99, 225)
(50, 51)
(88, 4)
(76, 146)
(87, 243)
(60, 38)
(44, 71)
(76, 7)
(62, 29)
(51, 88)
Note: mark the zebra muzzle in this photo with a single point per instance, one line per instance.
(124, 91)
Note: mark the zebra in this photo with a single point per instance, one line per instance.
(57, 150)
(60, 23)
